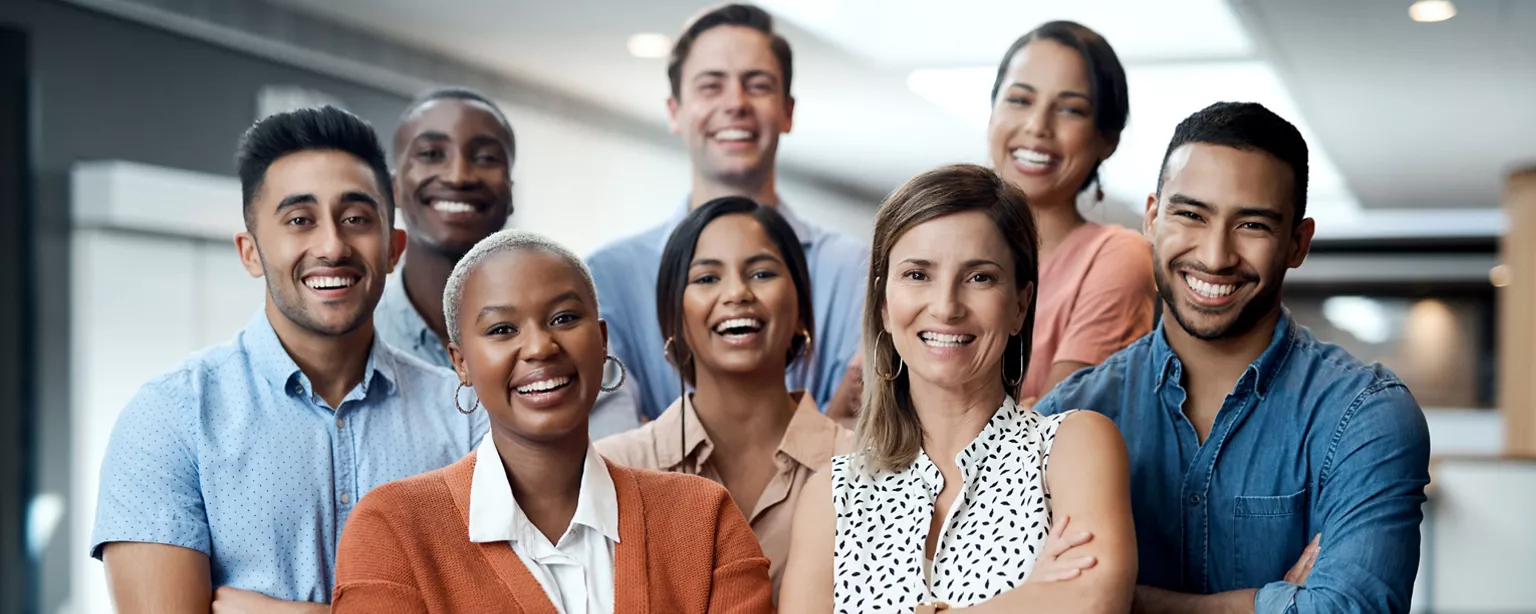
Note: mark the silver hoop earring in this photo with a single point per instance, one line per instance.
(623, 373)
(901, 365)
(459, 407)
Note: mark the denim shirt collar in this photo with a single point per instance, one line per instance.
(1259, 375)
(806, 233)
(271, 360)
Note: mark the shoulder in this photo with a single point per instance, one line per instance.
(1121, 252)
(1347, 382)
(1101, 387)
(182, 390)
(681, 490)
(631, 448)
(623, 252)
(1085, 433)
(417, 372)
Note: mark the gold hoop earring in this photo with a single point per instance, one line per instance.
(459, 407)
(901, 365)
(666, 351)
(805, 346)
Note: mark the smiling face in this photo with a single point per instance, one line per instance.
(740, 309)
(1041, 136)
(951, 301)
(319, 235)
(731, 107)
(531, 344)
(1222, 237)
(454, 180)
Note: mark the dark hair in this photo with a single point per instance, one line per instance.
(1247, 126)
(742, 15)
(1107, 90)
(464, 94)
(677, 257)
(323, 128)
(888, 429)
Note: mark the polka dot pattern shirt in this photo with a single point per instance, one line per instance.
(990, 536)
(233, 454)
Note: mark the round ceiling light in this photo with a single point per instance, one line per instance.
(650, 45)
(1430, 11)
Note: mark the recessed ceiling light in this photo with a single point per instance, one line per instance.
(650, 45)
(1430, 11)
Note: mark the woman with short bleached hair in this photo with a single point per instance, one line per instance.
(535, 520)
(956, 496)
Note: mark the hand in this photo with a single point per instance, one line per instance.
(1303, 567)
(228, 600)
(1052, 564)
(844, 406)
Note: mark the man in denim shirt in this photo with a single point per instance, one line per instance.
(1249, 438)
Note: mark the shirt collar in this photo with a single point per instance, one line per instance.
(811, 437)
(806, 232)
(1260, 374)
(494, 515)
(400, 313)
(271, 360)
(681, 416)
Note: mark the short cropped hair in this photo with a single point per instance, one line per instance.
(504, 241)
(310, 129)
(740, 15)
(1247, 126)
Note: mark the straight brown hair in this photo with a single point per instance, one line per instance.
(889, 434)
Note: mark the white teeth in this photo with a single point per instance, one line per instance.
(733, 134)
(449, 206)
(327, 283)
(1209, 290)
(544, 385)
(946, 341)
(733, 323)
(1030, 156)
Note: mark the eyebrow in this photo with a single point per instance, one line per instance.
(763, 257)
(474, 141)
(720, 74)
(1263, 212)
(561, 298)
(1069, 94)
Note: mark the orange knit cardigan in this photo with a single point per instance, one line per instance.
(684, 547)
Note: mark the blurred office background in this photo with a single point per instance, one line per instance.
(118, 121)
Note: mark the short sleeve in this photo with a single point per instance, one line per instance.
(1114, 307)
(149, 489)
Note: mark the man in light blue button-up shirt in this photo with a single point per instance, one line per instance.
(730, 75)
(229, 478)
(1270, 472)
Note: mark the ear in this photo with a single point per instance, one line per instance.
(789, 115)
(1149, 218)
(1110, 145)
(1026, 294)
(396, 247)
(250, 257)
(672, 125)
(1301, 243)
(602, 325)
(457, 356)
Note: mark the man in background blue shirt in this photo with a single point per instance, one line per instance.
(1270, 472)
(730, 75)
(227, 480)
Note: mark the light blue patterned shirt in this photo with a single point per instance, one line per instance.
(234, 455)
(626, 273)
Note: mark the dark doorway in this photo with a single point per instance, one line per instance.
(16, 381)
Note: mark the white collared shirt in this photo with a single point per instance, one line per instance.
(577, 572)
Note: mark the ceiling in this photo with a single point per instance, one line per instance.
(1411, 124)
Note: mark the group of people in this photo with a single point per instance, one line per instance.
(737, 411)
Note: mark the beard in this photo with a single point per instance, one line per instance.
(290, 302)
(1248, 314)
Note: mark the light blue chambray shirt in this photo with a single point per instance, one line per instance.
(1309, 441)
(626, 273)
(402, 327)
(233, 454)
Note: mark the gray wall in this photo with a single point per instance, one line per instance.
(104, 88)
(15, 347)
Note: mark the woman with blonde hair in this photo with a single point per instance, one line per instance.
(953, 490)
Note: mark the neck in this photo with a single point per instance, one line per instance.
(1054, 221)
(1220, 362)
(952, 416)
(333, 364)
(425, 275)
(762, 190)
(545, 477)
(744, 412)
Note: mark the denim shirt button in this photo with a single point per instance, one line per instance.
(1194, 499)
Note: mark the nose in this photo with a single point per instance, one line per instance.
(332, 246)
(736, 290)
(1216, 252)
(539, 345)
(946, 303)
(735, 99)
(1037, 121)
(457, 172)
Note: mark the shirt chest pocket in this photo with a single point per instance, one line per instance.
(1269, 533)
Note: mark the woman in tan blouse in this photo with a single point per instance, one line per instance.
(734, 300)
